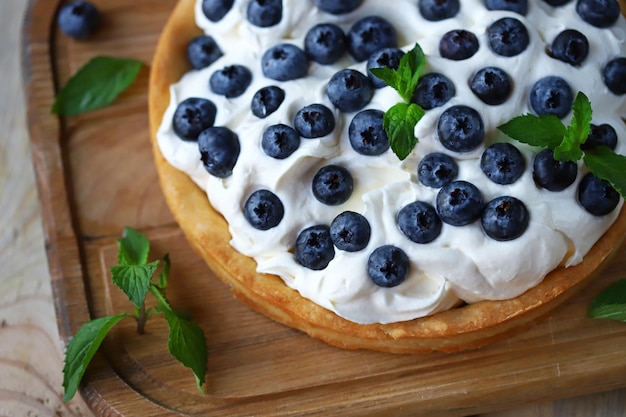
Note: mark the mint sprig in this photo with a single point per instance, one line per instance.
(610, 304)
(400, 120)
(134, 276)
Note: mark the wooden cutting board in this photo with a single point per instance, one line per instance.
(95, 176)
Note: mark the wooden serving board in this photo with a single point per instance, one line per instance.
(95, 176)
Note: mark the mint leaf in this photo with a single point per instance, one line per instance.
(164, 276)
(134, 280)
(605, 164)
(399, 123)
(404, 80)
(159, 294)
(388, 75)
(544, 131)
(610, 303)
(81, 349)
(577, 132)
(134, 248)
(96, 85)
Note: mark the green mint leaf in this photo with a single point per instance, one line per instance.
(399, 123)
(388, 75)
(610, 303)
(134, 248)
(577, 132)
(404, 79)
(81, 349)
(164, 276)
(609, 166)
(134, 280)
(545, 131)
(159, 294)
(97, 84)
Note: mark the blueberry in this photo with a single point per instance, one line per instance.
(600, 135)
(231, 81)
(459, 203)
(263, 210)
(284, 62)
(599, 13)
(505, 218)
(314, 121)
(266, 101)
(517, 6)
(551, 174)
(215, 10)
(332, 185)
(337, 6)
(202, 51)
(458, 45)
(460, 129)
(279, 141)
(192, 116)
(492, 85)
(369, 35)
(508, 37)
(366, 133)
(325, 43)
(502, 163)
(435, 10)
(314, 247)
(79, 19)
(419, 222)
(350, 231)
(386, 57)
(597, 196)
(219, 150)
(433, 90)
(264, 13)
(437, 169)
(349, 90)
(614, 75)
(551, 95)
(388, 266)
(570, 46)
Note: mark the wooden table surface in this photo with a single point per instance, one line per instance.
(31, 354)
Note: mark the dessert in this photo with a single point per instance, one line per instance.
(293, 167)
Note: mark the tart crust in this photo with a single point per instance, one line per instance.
(461, 328)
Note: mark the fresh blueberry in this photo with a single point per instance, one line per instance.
(349, 90)
(435, 10)
(570, 46)
(551, 95)
(284, 62)
(192, 116)
(314, 247)
(433, 90)
(502, 163)
(219, 150)
(614, 75)
(551, 174)
(492, 85)
(508, 37)
(517, 6)
(325, 43)
(505, 218)
(337, 6)
(419, 222)
(598, 13)
(215, 10)
(332, 185)
(350, 231)
(437, 169)
(231, 81)
(279, 141)
(369, 35)
(264, 13)
(597, 196)
(366, 133)
(388, 266)
(314, 121)
(202, 51)
(79, 19)
(266, 101)
(459, 203)
(557, 3)
(600, 135)
(386, 57)
(263, 210)
(460, 129)
(458, 45)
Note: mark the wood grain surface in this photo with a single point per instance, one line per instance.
(30, 344)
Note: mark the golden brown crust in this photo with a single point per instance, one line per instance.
(454, 330)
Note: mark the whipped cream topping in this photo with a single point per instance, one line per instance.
(462, 264)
